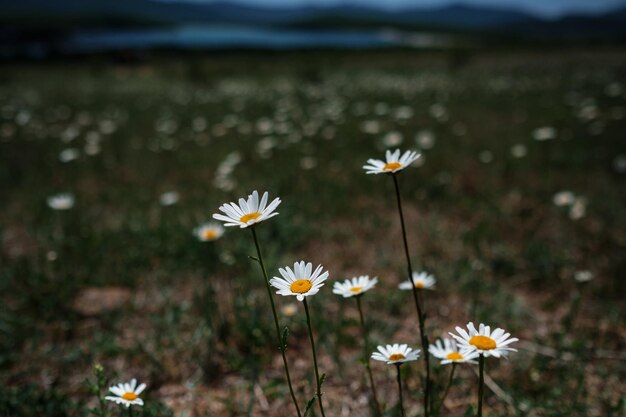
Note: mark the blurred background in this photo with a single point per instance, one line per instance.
(125, 124)
(42, 28)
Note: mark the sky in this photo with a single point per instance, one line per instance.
(549, 8)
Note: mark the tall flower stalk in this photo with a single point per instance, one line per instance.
(418, 306)
(394, 163)
(396, 355)
(355, 288)
(247, 214)
(282, 346)
(448, 351)
(399, 378)
(302, 282)
(481, 384)
(447, 389)
(318, 381)
(366, 360)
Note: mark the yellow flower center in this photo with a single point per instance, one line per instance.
(483, 342)
(300, 286)
(454, 356)
(250, 216)
(396, 357)
(419, 285)
(209, 234)
(130, 396)
(392, 166)
(356, 289)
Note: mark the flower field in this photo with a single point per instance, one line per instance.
(479, 269)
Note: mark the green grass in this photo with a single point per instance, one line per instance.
(197, 328)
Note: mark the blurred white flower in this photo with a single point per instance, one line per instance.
(439, 112)
(289, 310)
(371, 126)
(62, 201)
(354, 286)
(169, 198)
(578, 209)
(403, 113)
(69, 154)
(619, 164)
(544, 133)
(425, 139)
(583, 276)
(518, 151)
(199, 124)
(208, 232)
(614, 89)
(392, 139)
(563, 198)
(421, 280)
(107, 126)
(308, 162)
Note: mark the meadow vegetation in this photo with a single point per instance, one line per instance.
(516, 206)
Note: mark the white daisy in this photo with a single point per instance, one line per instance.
(396, 354)
(421, 280)
(248, 212)
(354, 286)
(126, 393)
(392, 164)
(448, 352)
(302, 281)
(208, 232)
(62, 201)
(484, 341)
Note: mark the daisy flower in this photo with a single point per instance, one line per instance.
(395, 354)
(208, 232)
(302, 281)
(421, 280)
(448, 352)
(392, 164)
(484, 341)
(127, 393)
(354, 286)
(62, 201)
(248, 212)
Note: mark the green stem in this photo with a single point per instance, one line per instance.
(400, 390)
(418, 307)
(366, 359)
(445, 393)
(130, 411)
(317, 374)
(103, 412)
(481, 384)
(278, 335)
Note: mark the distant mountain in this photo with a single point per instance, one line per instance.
(69, 14)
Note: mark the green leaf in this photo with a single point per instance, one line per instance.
(322, 379)
(309, 406)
